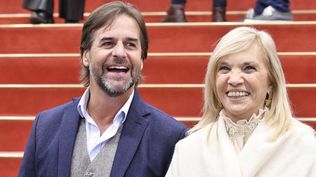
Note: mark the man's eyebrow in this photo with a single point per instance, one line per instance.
(111, 38)
(106, 38)
(132, 39)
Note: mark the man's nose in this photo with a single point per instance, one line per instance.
(119, 50)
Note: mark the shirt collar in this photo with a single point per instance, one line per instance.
(82, 106)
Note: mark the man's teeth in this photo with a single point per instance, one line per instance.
(118, 68)
(237, 94)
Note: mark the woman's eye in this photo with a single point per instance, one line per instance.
(223, 69)
(250, 68)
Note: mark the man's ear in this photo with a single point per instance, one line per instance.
(85, 58)
(141, 65)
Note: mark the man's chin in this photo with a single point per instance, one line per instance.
(117, 90)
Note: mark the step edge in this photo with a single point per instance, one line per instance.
(163, 13)
(19, 154)
(150, 54)
(181, 119)
(11, 154)
(159, 24)
(145, 86)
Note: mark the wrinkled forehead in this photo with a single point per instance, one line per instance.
(254, 51)
(120, 25)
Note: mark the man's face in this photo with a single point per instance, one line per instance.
(114, 59)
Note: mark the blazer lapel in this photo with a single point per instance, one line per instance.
(67, 137)
(131, 136)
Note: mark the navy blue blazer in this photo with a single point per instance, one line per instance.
(145, 148)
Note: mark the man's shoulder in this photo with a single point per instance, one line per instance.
(162, 119)
(158, 114)
(56, 113)
(60, 108)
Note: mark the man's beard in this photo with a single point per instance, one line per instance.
(106, 86)
(112, 91)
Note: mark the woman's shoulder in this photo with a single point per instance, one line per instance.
(196, 138)
(300, 127)
(303, 132)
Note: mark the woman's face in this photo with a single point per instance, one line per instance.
(242, 83)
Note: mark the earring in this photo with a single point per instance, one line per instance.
(220, 105)
(268, 100)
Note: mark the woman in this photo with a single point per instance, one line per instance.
(247, 129)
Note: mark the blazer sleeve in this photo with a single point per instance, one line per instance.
(27, 168)
(172, 171)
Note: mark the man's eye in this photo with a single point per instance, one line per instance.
(131, 45)
(107, 44)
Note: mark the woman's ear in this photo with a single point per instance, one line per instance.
(270, 89)
(269, 96)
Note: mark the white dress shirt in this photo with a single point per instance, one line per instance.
(95, 142)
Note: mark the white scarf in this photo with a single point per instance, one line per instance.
(210, 153)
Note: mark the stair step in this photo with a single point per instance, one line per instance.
(192, 16)
(8, 129)
(10, 140)
(26, 79)
(15, 6)
(9, 167)
(51, 38)
(10, 161)
(176, 100)
(177, 68)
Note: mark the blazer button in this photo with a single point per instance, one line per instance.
(89, 174)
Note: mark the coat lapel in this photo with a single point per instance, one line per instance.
(258, 151)
(67, 137)
(228, 153)
(132, 133)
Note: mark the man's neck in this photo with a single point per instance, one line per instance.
(103, 108)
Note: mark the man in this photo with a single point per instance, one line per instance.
(109, 131)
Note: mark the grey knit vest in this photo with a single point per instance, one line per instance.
(101, 165)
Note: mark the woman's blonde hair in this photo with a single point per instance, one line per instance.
(235, 41)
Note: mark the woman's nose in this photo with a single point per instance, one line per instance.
(235, 78)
